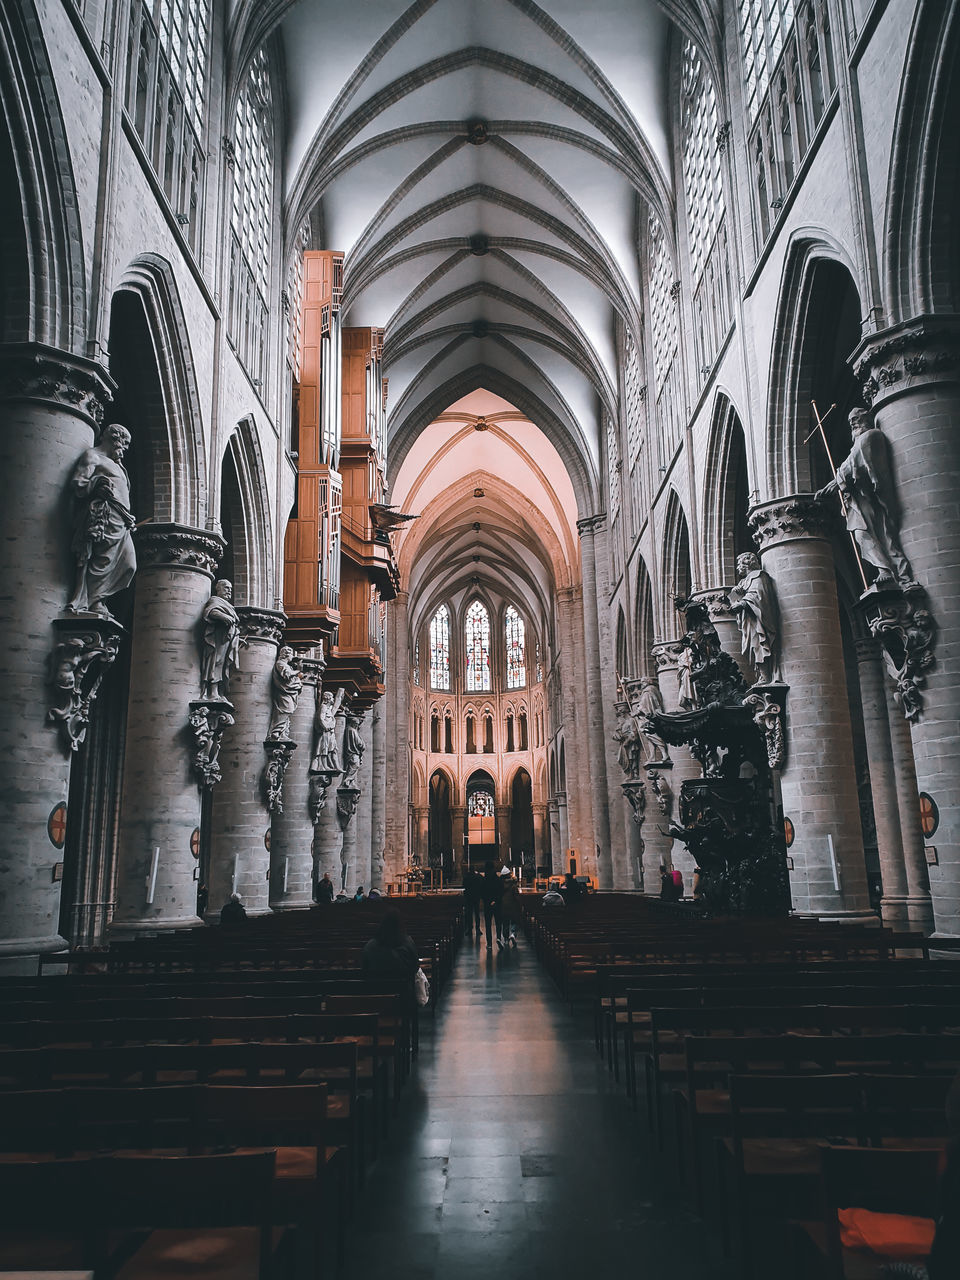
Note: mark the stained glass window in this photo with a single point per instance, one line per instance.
(516, 650)
(440, 649)
(477, 649)
(701, 158)
(663, 308)
(539, 664)
(416, 661)
(480, 805)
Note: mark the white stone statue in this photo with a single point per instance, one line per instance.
(353, 748)
(644, 704)
(287, 684)
(754, 601)
(687, 693)
(865, 479)
(102, 542)
(219, 643)
(326, 758)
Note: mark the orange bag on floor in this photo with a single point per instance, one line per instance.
(893, 1235)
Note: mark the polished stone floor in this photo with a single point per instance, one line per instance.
(514, 1155)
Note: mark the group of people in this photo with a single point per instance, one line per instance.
(327, 893)
(567, 894)
(498, 894)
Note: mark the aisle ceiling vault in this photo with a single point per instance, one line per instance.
(482, 164)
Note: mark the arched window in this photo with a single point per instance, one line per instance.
(168, 58)
(516, 649)
(440, 649)
(706, 226)
(416, 661)
(539, 664)
(665, 335)
(477, 650)
(251, 218)
(480, 805)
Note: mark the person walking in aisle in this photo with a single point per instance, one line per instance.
(491, 890)
(472, 894)
(509, 906)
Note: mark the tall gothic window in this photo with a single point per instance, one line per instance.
(516, 649)
(539, 664)
(251, 218)
(664, 334)
(788, 77)
(416, 661)
(168, 49)
(440, 649)
(477, 649)
(701, 142)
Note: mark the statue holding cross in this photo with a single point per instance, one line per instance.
(864, 482)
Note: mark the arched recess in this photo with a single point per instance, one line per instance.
(43, 293)
(147, 297)
(818, 295)
(623, 647)
(440, 821)
(245, 520)
(921, 249)
(677, 577)
(521, 822)
(644, 630)
(726, 498)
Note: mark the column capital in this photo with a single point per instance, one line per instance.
(666, 653)
(590, 524)
(717, 602)
(789, 519)
(261, 624)
(312, 665)
(32, 371)
(914, 353)
(176, 546)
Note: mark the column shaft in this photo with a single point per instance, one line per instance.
(239, 854)
(599, 852)
(291, 832)
(919, 905)
(51, 405)
(379, 796)
(672, 853)
(819, 783)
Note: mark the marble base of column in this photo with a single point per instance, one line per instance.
(292, 829)
(160, 803)
(51, 404)
(239, 857)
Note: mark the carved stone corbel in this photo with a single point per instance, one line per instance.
(766, 702)
(906, 631)
(77, 665)
(320, 780)
(279, 754)
(636, 792)
(208, 719)
(663, 793)
(348, 798)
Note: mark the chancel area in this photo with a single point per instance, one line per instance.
(498, 462)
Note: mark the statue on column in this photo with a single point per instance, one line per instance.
(686, 689)
(865, 481)
(102, 541)
(754, 601)
(648, 701)
(627, 735)
(326, 758)
(353, 748)
(287, 683)
(219, 643)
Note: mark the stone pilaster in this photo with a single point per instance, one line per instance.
(918, 904)
(621, 863)
(577, 823)
(818, 783)
(52, 405)
(378, 804)
(160, 804)
(587, 529)
(397, 736)
(291, 831)
(239, 853)
(911, 380)
(685, 766)
(560, 861)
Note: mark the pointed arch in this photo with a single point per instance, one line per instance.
(247, 508)
(726, 496)
(644, 631)
(44, 295)
(677, 579)
(179, 460)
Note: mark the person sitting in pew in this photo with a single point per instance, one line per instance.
(390, 953)
(233, 911)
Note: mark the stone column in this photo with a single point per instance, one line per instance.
(634, 799)
(397, 736)
(160, 804)
(348, 802)
(561, 860)
(458, 828)
(918, 903)
(378, 805)
(239, 853)
(883, 786)
(577, 825)
(911, 379)
(421, 815)
(52, 404)
(672, 852)
(622, 868)
(556, 839)
(595, 728)
(539, 828)
(818, 783)
(503, 812)
(364, 819)
(291, 831)
(328, 855)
